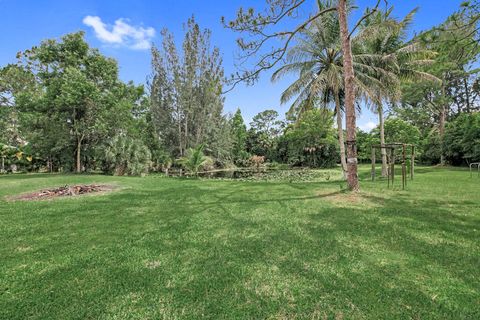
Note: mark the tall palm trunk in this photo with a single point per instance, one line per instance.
(381, 123)
(352, 162)
(341, 141)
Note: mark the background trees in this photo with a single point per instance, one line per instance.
(71, 101)
(310, 141)
(454, 42)
(239, 137)
(185, 92)
(63, 107)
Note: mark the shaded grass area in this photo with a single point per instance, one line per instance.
(187, 249)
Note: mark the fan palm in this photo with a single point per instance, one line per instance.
(318, 61)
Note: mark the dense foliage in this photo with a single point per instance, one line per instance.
(64, 108)
(126, 156)
(310, 141)
(462, 139)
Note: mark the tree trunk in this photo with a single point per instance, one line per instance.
(441, 126)
(79, 150)
(467, 95)
(180, 148)
(381, 123)
(441, 130)
(341, 141)
(351, 126)
(186, 132)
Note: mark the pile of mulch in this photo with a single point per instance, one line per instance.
(65, 191)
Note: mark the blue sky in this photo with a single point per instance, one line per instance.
(124, 27)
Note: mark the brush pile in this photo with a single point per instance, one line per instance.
(64, 191)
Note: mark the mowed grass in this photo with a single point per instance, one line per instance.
(162, 248)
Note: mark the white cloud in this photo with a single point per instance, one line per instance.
(368, 126)
(121, 33)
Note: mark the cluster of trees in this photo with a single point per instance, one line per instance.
(63, 101)
(63, 107)
(309, 141)
(374, 63)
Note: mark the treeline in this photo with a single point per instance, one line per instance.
(63, 107)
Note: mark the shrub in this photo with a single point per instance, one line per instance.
(126, 156)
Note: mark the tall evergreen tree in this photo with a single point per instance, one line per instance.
(185, 88)
(239, 136)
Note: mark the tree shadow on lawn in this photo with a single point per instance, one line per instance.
(237, 252)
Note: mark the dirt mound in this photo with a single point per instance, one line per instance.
(65, 191)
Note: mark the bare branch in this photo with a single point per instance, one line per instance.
(374, 9)
(269, 60)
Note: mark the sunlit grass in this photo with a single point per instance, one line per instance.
(187, 249)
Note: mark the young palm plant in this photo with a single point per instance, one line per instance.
(317, 60)
(194, 159)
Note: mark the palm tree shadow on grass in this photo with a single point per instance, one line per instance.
(227, 253)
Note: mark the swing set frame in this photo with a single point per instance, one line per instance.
(391, 148)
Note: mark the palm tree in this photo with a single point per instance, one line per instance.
(194, 159)
(381, 34)
(318, 60)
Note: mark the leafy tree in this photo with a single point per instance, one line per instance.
(310, 141)
(454, 42)
(76, 100)
(398, 131)
(13, 80)
(264, 131)
(462, 139)
(267, 122)
(365, 140)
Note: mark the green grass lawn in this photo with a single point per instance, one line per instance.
(162, 248)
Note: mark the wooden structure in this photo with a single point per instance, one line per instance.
(391, 149)
(471, 167)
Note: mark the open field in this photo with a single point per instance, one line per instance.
(162, 248)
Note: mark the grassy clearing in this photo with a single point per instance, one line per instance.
(186, 249)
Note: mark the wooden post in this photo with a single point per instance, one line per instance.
(392, 166)
(389, 174)
(404, 168)
(389, 161)
(412, 170)
(373, 163)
